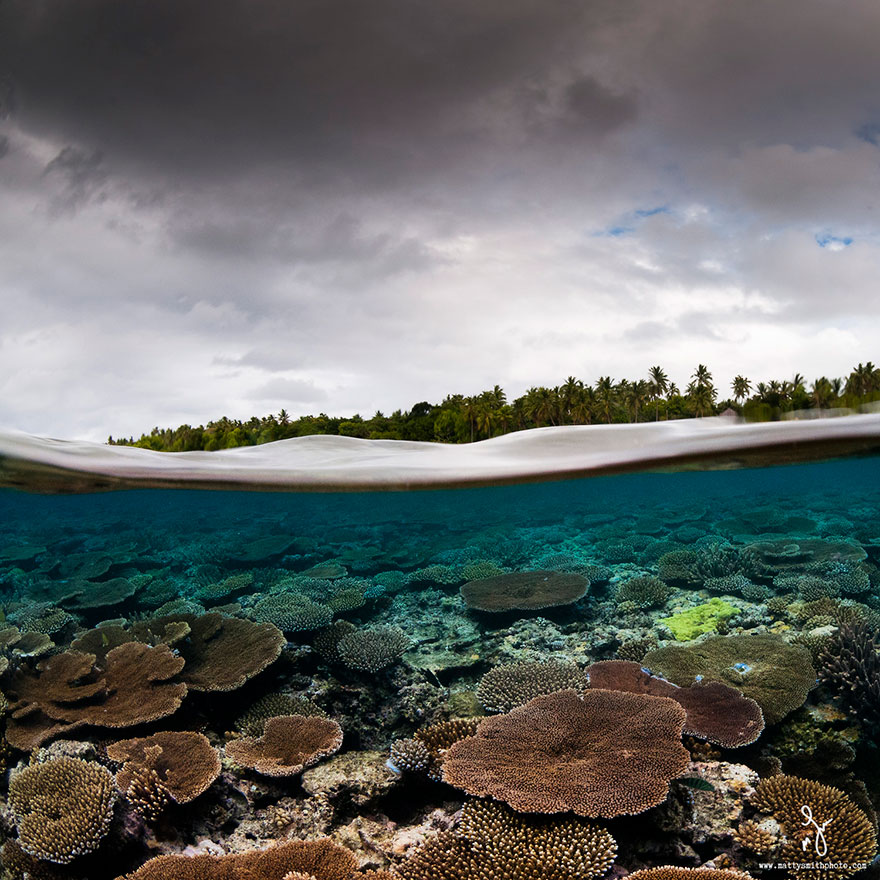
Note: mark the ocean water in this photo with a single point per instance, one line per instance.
(369, 619)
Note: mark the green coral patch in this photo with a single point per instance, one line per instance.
(687, 625)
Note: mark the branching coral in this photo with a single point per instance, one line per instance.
(292, 612)
(672, 872)
(62, 808)
(289, 744)
(372, 649)
(850, 666)
(493, 842)
(849, 839)
(504, 687)
(644, 592)
(606, 753)
(439, 737)
(524, 591)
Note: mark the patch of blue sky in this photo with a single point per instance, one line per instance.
(833, 242)
(630, 222)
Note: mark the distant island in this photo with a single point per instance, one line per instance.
(463, 419)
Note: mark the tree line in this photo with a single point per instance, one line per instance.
(465, 419)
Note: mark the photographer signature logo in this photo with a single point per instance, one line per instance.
(817, 839)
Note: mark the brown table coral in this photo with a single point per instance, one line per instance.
(775, 674)
(605, 753)
(134, 685)
(289, 744)
(171, 766)
(715, 712)
(524, 591)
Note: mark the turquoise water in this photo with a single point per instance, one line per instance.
(764, 543)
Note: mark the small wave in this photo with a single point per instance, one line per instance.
(332, 464)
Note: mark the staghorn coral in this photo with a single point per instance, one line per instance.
(605, 753)
(292, 612)
(504, 687)
(319, 859)
(524, 591)
(253, 721)
(372, 649)
(68, 691)
(62, 808)
(177, 765)
(644, 592)
(289, 744)
(849, 665)
(776, 675)
(494, 842)
(850, 837)
(635, 649)
(479, 569)
(716, 559)
(715, 712)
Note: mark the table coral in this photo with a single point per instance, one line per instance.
(606, 753)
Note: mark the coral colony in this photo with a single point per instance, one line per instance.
(675, 676)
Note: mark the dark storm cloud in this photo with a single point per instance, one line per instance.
(376, 89)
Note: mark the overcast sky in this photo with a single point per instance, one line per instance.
(227, 207)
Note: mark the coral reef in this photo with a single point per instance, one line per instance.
(849, 665)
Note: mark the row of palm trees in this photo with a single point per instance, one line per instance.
(462, 419)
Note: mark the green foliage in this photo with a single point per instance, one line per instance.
(461, 419)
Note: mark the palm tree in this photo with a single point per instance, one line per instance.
(283, 417)
(822, 393)
(658, 386)
(741, 388)
(637, 394)
(569, 394)
(605, 392)
(702, 377)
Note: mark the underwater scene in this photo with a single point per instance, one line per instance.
(554, 681)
